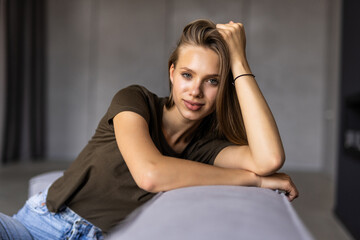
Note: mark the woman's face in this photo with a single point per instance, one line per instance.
(195, 82)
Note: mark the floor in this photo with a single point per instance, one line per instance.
(314, 206)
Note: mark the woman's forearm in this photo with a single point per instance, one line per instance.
(261, 129)
(263, 136)
(171, 173)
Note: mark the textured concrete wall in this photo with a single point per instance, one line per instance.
(286, 48)
(68, 77)
(97, 47)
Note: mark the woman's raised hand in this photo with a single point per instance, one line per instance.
(234, 35)
(280, 181)
(252, 99)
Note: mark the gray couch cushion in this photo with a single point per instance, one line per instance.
(205, 212)
(42, 181)
(212, 213)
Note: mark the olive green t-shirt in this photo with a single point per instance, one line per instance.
(98, 185)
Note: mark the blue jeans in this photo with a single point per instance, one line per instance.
(12, 229)
(42, 224)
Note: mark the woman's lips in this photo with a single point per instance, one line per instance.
(194, 106)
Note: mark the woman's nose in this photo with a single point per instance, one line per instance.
(196, 89)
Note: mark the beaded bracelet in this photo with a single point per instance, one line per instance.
(242, 75)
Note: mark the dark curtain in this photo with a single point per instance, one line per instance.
(24, 131)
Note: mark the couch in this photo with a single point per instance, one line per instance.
(205, 213)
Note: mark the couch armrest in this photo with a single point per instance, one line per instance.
(212, 213)
(42, 181)
(205, 212)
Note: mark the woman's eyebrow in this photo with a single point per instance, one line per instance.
(208, 75)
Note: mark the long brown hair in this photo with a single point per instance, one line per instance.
(227, 121)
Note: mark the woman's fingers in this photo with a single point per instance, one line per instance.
(292, 191)
(281, 181)
(231, 26)
(292, 194)
(234, 35)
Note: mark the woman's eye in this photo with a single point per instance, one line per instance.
(186, 75)
(214, 81)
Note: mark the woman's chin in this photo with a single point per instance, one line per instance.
(193, 116)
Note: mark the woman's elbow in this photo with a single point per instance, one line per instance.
(148, 181)
(273, 164)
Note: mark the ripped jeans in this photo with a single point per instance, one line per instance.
(42, 224)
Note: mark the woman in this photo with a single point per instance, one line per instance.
(145, 144)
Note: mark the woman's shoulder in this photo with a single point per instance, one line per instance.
(134, 88)
(134, 92)
(134, 98)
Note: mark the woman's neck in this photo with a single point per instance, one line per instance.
(178, 131)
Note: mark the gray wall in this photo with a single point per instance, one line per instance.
(2, 71)
(332, 88)
(97, 47)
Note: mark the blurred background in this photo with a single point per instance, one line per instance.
(61, 62)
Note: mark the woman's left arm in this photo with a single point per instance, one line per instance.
(265, 153)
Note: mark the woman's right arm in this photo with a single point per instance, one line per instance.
(155, 172)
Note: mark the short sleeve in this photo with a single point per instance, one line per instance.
(133, 98)
(205, 150)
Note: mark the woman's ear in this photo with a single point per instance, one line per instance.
(171, 72)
